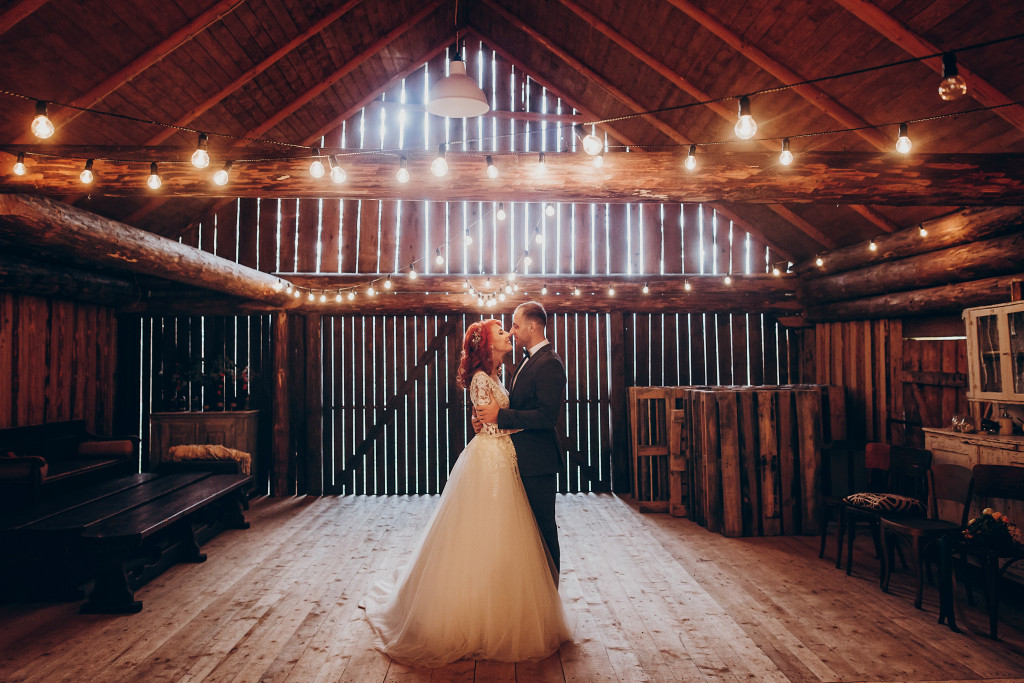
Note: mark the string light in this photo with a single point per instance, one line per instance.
(338, 174)
(468, 239)
(542, 163)
(549, 210)
(599, 161)
(42, 126)
(646, 289)
(412, 273)
(316, 169)
(538, 237)
(370, 291)
(728, 279)
(403, 171)
(544, 290)
(288, 289)
(492, 170)
(297, 293)
(154, 181)
(311, 297)
(575, 291)
(921, 231)
(687, 286)
(745, 127)
(222, 176)
(323, 297)
(87, 175)
(439, 166)
(819, 261)
(438, 258)
(351, 295)
(786, 157)
(388, 284)
(903, 141)
(278, 286)
(592, 145)
(775, 271)
(501, 215)
(691, 158)
(337, 297)
(527, 259)
(19, 165)
(872, 246)
(200, 157)
(611, 291)
(952, 86)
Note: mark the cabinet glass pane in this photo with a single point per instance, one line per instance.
(988, 350)
(1015, 321)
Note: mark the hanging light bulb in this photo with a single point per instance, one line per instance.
(508, 289)
(501, 296)
(154, 181)
(592, 145)
(468, 239)
(921, 231)
(691, 158)
(438, 258)
(746, 127)
(316, 169)
(42, 126)
(465, 283)
(311, 296)
(527, 259)
(222, 176)
(611, 291)
(872, 246)
(87, 175)
(388, 284)
(338, 174)
(297, 293)
(775, 271)
(903, 141)
(370, 291)
(786, 157)
(487, 283)
(403, 171)
(412, 273)
(439, 166)
(19, 165)
(544, 290)
(323, 297)
(549, 210)
(511, 277)
(288, 289)
(952, 86)
(819, 262)
(278, 286)
(646, 289)
(687, 286)
(457, 95)
(542, 163)
(599, 161)
(492, 170)
(200, 157)
(538, 238)
(501, 215)
(337, 297)
(728, 279)
(351, 295)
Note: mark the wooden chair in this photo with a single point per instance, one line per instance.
(904, 469)
(990, 481)
(951, 483)
(839, 464)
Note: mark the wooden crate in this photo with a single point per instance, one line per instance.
(649, 445)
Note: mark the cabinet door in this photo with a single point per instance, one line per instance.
(990, 374)
(218, 430)
(1015, 332)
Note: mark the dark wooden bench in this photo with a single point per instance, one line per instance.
(123, 532)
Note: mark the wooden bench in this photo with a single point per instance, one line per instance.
(124, 532)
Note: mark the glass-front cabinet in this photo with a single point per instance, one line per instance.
(995, 352)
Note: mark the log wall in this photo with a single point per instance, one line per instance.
(57, 362)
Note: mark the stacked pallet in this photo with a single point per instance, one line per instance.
(743, 461)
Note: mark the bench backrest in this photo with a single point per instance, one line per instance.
(50, 441)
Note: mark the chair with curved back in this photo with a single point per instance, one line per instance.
(946, 483)
(904, 494)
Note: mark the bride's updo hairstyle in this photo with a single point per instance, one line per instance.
(476, 351)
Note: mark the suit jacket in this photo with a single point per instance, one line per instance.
(535, 404)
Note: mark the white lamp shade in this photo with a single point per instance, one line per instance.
(457, 95)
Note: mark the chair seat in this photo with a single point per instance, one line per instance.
(918, 526)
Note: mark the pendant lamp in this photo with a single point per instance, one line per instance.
(457, 95)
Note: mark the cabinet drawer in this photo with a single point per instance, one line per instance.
(944, 457)
(950, 445)
(1001, 456)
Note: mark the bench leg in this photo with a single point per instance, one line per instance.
(111, 593)
(234, 517)
(188, 544)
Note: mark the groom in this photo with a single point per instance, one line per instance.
(535, 402)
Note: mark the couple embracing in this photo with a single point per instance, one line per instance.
(482, 582)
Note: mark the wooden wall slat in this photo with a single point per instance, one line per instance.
(248, 232)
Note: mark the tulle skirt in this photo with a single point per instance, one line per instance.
(479, 582)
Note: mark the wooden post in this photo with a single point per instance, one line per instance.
(729, 443)
(750, 464)
(281, 455)
(808, 407)
(314, 409)
(768, 444)
(618, 407)
(787, 470)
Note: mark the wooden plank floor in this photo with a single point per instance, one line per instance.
(655, 598)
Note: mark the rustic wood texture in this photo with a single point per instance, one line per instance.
(654, 597)
(47, 280)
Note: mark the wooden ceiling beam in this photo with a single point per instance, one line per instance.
(805, 227)
(58, 230)
(823, 178)
(62, 282)
(977, 87)
(16, 11)
(813, 94)
(147, 59)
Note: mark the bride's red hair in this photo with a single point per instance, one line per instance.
(476, 351)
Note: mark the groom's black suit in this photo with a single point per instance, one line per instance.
(535, 403)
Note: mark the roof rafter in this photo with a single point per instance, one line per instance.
(980, 89)
(16, 11)
(147, 59)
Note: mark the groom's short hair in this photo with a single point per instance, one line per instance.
(534, 311)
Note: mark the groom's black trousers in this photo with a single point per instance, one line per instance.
(540, 490)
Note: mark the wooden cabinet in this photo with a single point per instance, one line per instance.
(995, 353)
(234, 429)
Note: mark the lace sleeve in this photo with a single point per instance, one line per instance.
(480, 390)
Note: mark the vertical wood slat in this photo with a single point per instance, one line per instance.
(314, 412)
(281, 453)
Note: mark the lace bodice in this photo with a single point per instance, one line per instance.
(481, 390)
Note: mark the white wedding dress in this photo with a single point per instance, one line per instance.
(479, 582)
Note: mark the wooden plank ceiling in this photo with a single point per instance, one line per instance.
(291, 70)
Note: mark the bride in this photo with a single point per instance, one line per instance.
(479, 582)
